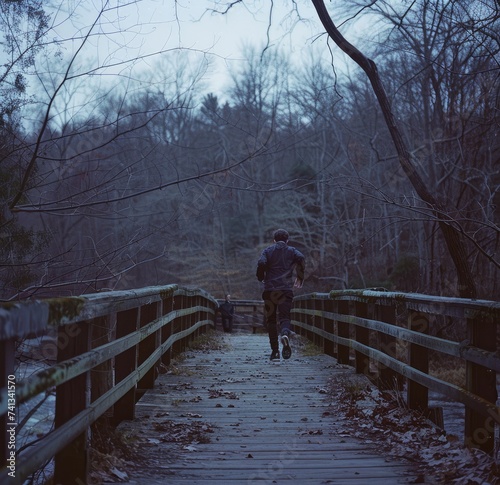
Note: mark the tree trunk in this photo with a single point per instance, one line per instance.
(452, 236)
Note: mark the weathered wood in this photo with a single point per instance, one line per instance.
(148, 313)
(417, 394)
(387, 378)
(77, 361)
(479, 350)
(362, 362)
(328, 345)
(318, 322)
(20, 319)
(249, 316)
(6, 425)
(343, 331)
(451, 391)
(71, 463)
(458, 307)
(267, 422)
(166, 331)
(455, 349)
(481, 381)
(177, 324)
(127, 322)
(64, 371)
(102, 333)
(102, 375)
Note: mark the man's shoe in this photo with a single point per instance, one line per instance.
(286, 351)
(275, 355)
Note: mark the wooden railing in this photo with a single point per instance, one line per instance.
(393, 338)
(248, 315)
(110, 347)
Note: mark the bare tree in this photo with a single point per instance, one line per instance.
(451, 232)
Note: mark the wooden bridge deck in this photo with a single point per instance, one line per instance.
(232, 416)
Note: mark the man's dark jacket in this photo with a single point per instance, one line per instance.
(227, 309)
(276, 264)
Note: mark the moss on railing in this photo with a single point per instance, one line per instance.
(64, 310)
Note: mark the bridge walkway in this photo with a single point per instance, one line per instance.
(231, 416)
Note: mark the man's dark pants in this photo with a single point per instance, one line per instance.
(227, 323)
(277, 306)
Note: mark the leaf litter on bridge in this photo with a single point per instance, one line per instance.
(379, 418)
(370, 415)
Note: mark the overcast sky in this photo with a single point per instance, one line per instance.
(148, 26)
(191, 25)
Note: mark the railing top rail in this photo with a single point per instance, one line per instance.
(243, 302)
(18, 319)
(463, 307)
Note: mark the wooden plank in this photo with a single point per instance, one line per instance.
(251, 420)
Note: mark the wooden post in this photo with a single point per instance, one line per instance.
(479, 429)
(127, 322)
(319, 306)
(8, 381)
(166, 330)
(297, 304)
(101, 376)
(362, 335)
(72, 397)
(200, 315)
(183, 322)
(177, 324)
(148, 314)
(343, 331)
(192, 320)
(418, 395)
(386, 376)
(102, 332)
(318, 322)
(328, 327)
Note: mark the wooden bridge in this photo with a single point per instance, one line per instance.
(110, 348)
(231, 416)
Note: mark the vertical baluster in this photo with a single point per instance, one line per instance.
(328, 327)
(362, 335)
(479, 429)
(148, 313)
(125, 363)
(343, 331)
(166, 330)
(418, 395)
(387, 378)
(72, 397)
(7, 359)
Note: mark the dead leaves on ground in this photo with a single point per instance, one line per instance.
(377, 418)
(192, 432)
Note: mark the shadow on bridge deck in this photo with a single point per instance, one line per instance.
(232, 416)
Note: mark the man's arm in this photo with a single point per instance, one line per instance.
(261, 267)
(299, 269)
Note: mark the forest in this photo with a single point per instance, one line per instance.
(113, 177)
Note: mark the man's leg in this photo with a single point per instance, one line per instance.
(284, 308)
(270, 308)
